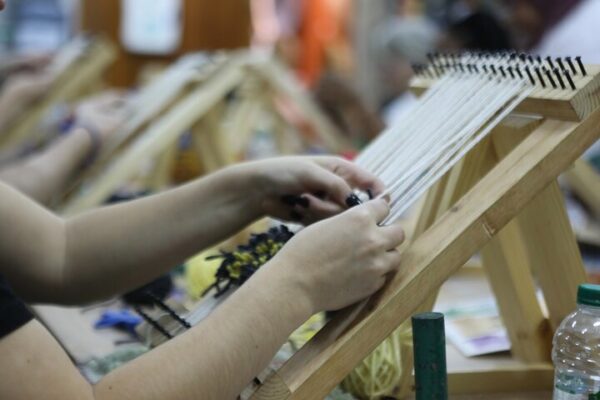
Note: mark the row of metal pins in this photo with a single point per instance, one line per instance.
(436, 69)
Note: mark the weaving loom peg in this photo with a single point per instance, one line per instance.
(571, 83)
(530, 59)
(518, 71)
(493, 69)
(550, 63)
(559, 78)
(581, 67)
(571, 65)
(538, 59)
(529, 75)
(561, 65)
(461, 67)
(549, 76)
(523, 57)
(510, 72)
(540, 77)
(501, 69)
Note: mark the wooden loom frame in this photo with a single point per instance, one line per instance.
(503, 190)
(196, 110)
(70, 84)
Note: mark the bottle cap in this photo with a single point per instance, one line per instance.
(589, 295)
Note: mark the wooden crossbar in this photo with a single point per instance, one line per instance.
(555, 103)
(471, 223)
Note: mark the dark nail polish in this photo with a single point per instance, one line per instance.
(304, 201)
(289, 199)
(320, 194)
(296, 216)
(352, 200)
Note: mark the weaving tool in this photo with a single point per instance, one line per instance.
(204, 110)
(507, 178)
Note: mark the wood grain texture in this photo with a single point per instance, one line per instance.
(441, 250)
(584, 180)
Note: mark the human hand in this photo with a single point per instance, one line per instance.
(306, 189)
(24, 88)
(339, 261)
(103, 113)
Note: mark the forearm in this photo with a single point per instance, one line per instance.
(45, 175)
(117, 248)
(219, 357)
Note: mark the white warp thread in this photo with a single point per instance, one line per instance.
(455, 114)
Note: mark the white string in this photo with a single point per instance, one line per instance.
(455, 114)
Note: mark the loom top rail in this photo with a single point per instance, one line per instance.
(564, 87)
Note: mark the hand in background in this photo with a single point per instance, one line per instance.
(103, 113)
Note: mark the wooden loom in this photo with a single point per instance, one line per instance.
(502, 199)
(77, 69)
(201, 109)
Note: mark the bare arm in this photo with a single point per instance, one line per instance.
(117, 248)
(327, 266)
(43, 176)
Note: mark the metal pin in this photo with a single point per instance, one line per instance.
(484, 67)
(571, 83)
(523, 57)
(550, 63)
(529, 75)
(510, 72)
(530, 58)
(581, 67)
(475, 68)
(571, 65)
(559, 78)
(540, 77)
(518, 71)
(501, 69)
(461, 67)
(549, 76)
(493, 68)
(538, 59)
(561, 65)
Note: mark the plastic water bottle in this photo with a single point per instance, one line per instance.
(576, 349)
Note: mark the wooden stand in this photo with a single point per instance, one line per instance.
(199, 110)
(502, 200)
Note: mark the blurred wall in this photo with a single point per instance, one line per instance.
(207, 25)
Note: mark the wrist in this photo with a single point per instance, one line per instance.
(294, 291)
(249, 183)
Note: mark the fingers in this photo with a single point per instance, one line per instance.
(377, 209)
(355, 176)
(323, 180)
(393, 235)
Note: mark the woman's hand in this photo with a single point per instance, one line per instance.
(23, 89)
(103, 113)
(341, 260)
(306, 189)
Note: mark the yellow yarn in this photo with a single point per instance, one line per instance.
(380, 374)
(200, 273)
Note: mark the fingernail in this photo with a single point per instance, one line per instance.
(296, 216)
(320, 194)
(352, 200)
(304, 201)
(289, 199)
